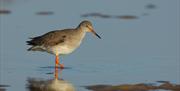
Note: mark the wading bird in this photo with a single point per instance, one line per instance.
(61, 42)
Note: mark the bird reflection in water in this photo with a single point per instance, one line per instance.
(56, 84)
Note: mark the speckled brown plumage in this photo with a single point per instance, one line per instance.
(61, 42)
(64, 40)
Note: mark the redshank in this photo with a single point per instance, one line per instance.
(61, 42)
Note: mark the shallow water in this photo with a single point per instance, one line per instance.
(145, 49)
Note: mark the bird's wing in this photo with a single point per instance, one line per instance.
(49, 39)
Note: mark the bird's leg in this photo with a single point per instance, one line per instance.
(58, 63)
(56, 72)
(56, 68)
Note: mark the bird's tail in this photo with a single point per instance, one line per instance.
(30, 49)
(35, 48)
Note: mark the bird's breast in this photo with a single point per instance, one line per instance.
(61, 49)
(68, 46)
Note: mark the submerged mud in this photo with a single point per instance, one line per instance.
(136, 87)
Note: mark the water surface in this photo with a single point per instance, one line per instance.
(145, 49)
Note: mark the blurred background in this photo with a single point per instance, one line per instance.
(140, 41)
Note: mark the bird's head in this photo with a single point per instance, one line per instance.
(87, 27)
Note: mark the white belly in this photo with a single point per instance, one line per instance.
(61, 50)
(66, 48)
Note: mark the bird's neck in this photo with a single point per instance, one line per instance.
(81, 29)
(80, 34)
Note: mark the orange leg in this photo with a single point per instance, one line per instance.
(56, 72)
(58, 63)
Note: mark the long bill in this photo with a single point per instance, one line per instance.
(96, 34)
(92, 30)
